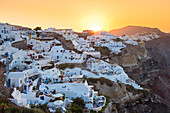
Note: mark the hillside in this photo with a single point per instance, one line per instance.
(4, 91)
(124, 98)
(131, 30)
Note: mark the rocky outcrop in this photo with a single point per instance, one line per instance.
(129, 61)
(2, 71)
(118, 92)
(153, 72)
(129, 56)
(4, 92)
(124, 98)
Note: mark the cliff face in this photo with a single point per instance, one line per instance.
(129, 56)
(4, 92)
(125, 98)
(2, 71)
(149, 65)
(118, 92)
(159, 50)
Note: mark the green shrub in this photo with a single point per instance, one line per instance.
(25, 110)
(12, 110)
(34, 88)
(41, 93)
(51, 100)
(64, 66)
(79, 102)
(72, 66)
(75, 108)
(92, 111)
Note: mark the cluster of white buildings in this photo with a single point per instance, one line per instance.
(102, 39)
(35, 67)
(143, 36)
(60, 55)
(68, 34)
(12, 32)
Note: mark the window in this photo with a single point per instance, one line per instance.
(21, 81)
(4, 31)
(61, 50)
(65, 57)
(4, 27)
(63, 86)
(0, 35)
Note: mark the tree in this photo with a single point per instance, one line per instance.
(75, 108)
(79, 102)
(72, 66)
(37, 28)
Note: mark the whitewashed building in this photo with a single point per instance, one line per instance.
(16, 79)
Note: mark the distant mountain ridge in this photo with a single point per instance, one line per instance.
(131, 30)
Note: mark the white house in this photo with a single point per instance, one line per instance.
(52, 75)
(19, 59)
(39, 46)
(32, 73)
(73, 90)
(59, 54)
(16, 79)
(70, 72)
(5, 31)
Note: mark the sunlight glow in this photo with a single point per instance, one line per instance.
(95, 23)
(95, 27)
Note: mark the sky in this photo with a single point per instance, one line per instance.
(86, 14)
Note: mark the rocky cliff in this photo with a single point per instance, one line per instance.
(129, 56)
(124, 98)
(149, 65)
(4, 92)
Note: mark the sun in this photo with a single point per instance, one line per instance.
(94, 22)
(95, 27)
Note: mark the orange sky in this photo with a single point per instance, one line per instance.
(86, 14)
